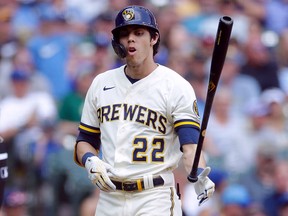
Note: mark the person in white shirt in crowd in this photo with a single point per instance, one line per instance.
(22, 113)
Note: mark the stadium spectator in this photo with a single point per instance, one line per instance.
(16, 202)
(235, 200)
(8, 44)
(21, 116)
(276, 129)
(226, 143)
(258, 180)
(260, 62)
(282, 60)
(273, 203)
(50, 52)
(244, 88)
(70, 107)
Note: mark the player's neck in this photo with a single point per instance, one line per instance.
(139, 71)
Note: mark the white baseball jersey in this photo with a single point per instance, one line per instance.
(137, 121)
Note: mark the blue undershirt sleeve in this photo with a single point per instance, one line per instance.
(188, 135)
(93, 139)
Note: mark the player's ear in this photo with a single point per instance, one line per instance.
(155, 38)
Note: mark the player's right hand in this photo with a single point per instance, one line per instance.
(98, 173)
(204, 187)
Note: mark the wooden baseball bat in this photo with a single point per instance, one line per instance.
(217, 62)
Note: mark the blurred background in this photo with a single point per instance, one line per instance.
(50, 51)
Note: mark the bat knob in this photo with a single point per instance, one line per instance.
(192, 179)
(227, 20)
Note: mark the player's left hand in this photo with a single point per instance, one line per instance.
(204, 187)
(98, 172)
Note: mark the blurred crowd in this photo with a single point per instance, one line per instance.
(50, 51)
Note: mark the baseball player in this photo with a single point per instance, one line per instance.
(144, 117)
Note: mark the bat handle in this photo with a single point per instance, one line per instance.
(193, 175)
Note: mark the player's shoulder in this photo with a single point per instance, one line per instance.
(169, 73)
(173, 79)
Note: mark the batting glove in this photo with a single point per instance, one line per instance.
(204, 187)
(98, 173)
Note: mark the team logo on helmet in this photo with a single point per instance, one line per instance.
(128, 14)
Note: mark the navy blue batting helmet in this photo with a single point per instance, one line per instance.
(135, 15)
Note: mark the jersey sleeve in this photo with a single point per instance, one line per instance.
(183, 105)
(89, 130)
(89, 113)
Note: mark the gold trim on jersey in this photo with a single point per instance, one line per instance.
(172, 201)
(178, 124)
(139, 185)
(89, 129)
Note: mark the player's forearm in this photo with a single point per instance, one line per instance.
(188, 157)
(84, 147)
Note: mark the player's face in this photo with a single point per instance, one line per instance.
(138, 43)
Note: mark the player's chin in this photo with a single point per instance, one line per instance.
(130, 57)
(133, 60)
